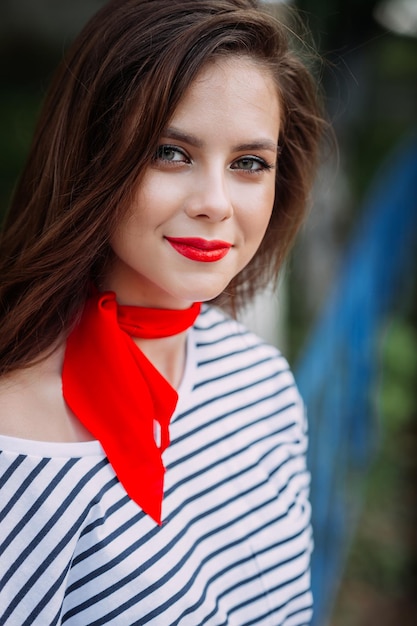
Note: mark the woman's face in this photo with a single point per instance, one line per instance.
(203, 206)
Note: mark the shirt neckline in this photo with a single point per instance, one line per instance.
(51, 449)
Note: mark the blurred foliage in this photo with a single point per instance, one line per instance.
(370, 81)
(17, 116)
(26, 64)
(381, 574)
(398, 393)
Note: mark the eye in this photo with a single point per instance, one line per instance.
(251, 164)
(171, 154)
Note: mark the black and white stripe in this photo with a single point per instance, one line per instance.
(234, 548)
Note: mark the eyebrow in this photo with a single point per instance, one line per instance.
(192, 140)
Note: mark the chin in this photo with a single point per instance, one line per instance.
(204, 294)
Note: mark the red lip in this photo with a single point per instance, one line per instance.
(203, 250)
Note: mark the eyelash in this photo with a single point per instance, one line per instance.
(263, 165)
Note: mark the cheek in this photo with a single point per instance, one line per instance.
(127, 237)
(259, 215)
(156, 198)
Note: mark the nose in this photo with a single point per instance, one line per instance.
(210, 197)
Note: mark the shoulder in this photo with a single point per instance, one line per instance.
(32, 405)
(231, 357)
(219, 333)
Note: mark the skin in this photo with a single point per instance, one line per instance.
(213, 177)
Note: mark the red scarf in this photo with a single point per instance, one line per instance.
(119, 396)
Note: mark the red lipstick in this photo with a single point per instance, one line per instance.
(203, 250)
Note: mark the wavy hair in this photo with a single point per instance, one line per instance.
(108, 104)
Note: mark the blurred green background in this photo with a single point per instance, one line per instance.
(369, 75)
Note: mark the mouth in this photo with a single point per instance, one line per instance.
(202, 250)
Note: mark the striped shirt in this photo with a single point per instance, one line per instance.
(234, 547)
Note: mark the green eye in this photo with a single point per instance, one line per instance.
(250, 164)
(170, 153)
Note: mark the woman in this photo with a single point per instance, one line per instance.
(153, 450)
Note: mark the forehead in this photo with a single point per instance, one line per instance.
(231, 93)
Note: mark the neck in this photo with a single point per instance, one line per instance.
(167, 354)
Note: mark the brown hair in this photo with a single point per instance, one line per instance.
(109, 103)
